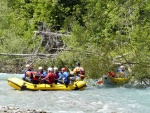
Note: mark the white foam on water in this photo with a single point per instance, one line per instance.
(90, 100)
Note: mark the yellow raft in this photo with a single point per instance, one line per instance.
(20, 84)
(119, 81)
(108, 80)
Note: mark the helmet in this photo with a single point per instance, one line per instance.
(28, 73)
(50, 69)
(121, 67)
(78, 64)
(40, 68)
(55, 68)
(27, 65)
(63, 69)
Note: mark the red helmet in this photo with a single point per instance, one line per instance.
(63, 69)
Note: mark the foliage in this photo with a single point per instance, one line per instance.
(112, 28)
(103, 33)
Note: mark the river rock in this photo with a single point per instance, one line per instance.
(9, 109)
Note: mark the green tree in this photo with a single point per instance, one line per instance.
(103, 33)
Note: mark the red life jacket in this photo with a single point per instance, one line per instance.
(35, 77)
(111, 73)
(50, 77)
(82, 72)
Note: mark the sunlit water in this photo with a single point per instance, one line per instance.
(94, 99)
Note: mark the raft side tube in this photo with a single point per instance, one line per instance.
(80, 85)
(20, 84)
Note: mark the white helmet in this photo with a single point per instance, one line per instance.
(40, 68)
(121, 67)
(50, 69)
(27, 65)
(55, 68)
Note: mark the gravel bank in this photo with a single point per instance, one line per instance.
(7, 109)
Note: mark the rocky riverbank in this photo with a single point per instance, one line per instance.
(7, 109)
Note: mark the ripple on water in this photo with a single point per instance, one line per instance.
(91, 100)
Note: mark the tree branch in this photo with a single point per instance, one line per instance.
(28, 55)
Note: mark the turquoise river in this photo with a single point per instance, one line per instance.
(94, 99)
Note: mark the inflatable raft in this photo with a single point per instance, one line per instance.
(108, 80)
(20, 84)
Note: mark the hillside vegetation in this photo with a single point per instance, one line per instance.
(101, 34)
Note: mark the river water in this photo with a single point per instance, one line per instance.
(94, 99)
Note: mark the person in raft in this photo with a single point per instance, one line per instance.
(65, 76)
(122, 71)
(60, 78)
(50, 78)
(41, 73)
(78, 72)
(110, 73)
(31, 76)
(34, 77)
(56, 72)
(26, 75)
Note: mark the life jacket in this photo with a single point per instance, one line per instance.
(111, 73)
(50, 77)
(56, 75)
(82, 71)
(34, 76)
(66, 77)
(40, 72)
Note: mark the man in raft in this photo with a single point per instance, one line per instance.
(78, 72)
(50, 78)
(27, 73)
